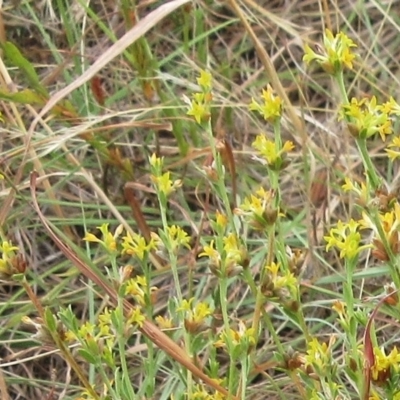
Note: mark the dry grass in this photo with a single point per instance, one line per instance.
(82, 180)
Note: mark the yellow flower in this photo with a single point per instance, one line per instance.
(8, 254)
(89, 237)
(260, 209)
(135, 316)
(186, 305)
(200, 111)
(70, 337)
(232, 249)
(366, 118)
(391, 107)
(360, 190)
(165, 184)
(348, 185)
(272, 107)
(199, 393)
(6, 248)
(221, 219)
(156, 162)
(205, 80)
(346, 238)
(136, 245)
(241, 339)
(390, 221)
(274, 156)
(105, 317)
(339, 307)
(178, 237)
(199, 106)
(164, 323)
(108, 240)
(137, 287)
(195, 315)
(318, 355)
(87, 330)
(335, 55)
(210, 252)
(281, 280)
(384, 364)
(393, 149)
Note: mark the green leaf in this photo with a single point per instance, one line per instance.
(14, 56)
(68, 318)
(87, 356)
(25, 96)
(50, 319)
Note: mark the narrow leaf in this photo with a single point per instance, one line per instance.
(15, 57)
(51, 322)
(25, 96)
(87, 356)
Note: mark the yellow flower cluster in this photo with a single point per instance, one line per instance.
(384, 364)
(132, 244)
(8, 254)
(274, 156)
(260, 209)
(195, 315)
(229, 261)
(240, 339)
(366, 118)
(163, 182)
(271, 108)
(346, 238)
(336, 54)
(138, 288)
(200, 103)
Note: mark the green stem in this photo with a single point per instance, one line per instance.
(151, 361)
(220, 172)
(244, 375)
(260, 297)
(74, 365)
(361, 143)
(223, 290)
(368, 165)
(342, 88)
(350, 265)
(393, 262)
(121, 348)
(303, 324)
(271, 330)
(173, 259)
(278, 136)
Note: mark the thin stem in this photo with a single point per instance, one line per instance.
(342, 88)
(223, 193)
(174, 269)
(121, 348)
(260, 299)
(361, 143)
(244, 375)
(368, 165)
(223, 296)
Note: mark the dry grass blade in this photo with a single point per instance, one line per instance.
(273, 75)
(159, 338)
(137, 212)
(3, 387)
(115, 50)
